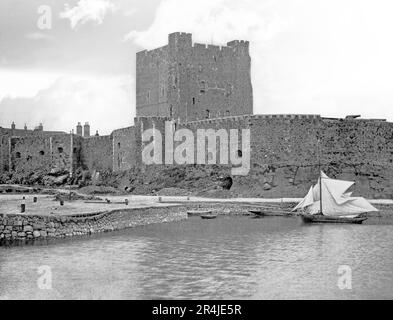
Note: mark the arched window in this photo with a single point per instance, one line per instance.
(17, 155)
(42, 153)
(60, 149)
(207, 114)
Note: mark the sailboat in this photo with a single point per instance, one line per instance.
(330, 202)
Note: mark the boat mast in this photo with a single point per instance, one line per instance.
(320, 178)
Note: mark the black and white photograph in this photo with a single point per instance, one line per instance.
(210, 150)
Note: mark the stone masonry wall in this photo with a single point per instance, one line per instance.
(97, 153)
(27, 227)
(189, 82)
(124, 149)
(284, 152)
(284, 157)
(34, 153)
(6, 134)
(152, 74)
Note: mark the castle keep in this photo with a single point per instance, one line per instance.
(209, 87)
(188, 82)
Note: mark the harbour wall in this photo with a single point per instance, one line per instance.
(24, 228)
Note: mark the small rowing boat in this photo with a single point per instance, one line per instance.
(263, 213)
(199, 212)
(209, 216)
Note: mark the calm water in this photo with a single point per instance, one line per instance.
(226, 258)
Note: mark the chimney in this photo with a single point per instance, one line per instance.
(13, 125)
(79, 129)
(25, 127)
(97, 134)
(40, 127)
(86, 130)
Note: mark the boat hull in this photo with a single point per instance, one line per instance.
(199, 212)
(308, 218)
(261, 213)
(208, 216)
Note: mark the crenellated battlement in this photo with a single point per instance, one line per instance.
(97, 138)
(257, 116)
(238, 43)
(181, 38)
(146, 56)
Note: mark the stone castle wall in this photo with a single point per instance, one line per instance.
(97, 153)
(284, 156)
(284, 151)
(152, 73)
(124, 149)
(33, 153)
(27, 152)
(17, 147)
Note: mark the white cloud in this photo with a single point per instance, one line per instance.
(105, 101)
(24, 83)
(308, 56)
(130, 12)
(38, 36)
(217, 20)
(87, 10)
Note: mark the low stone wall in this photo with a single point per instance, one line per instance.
(18, 227)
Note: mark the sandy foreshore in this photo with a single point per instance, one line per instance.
(47, 206)
(49, 218)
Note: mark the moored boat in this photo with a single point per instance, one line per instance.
(209, 216)
(199, 212)
(257, 212)
(309, 218)
(330, 202)
(265, 213)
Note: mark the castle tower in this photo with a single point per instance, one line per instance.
(79, 129)
(97, 134)
(13, 125)
(188, 81)
(25, 127)
(40, 127)
(86, 130)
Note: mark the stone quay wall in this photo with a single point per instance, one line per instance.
(20, 227)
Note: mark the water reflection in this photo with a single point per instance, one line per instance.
(225, 258)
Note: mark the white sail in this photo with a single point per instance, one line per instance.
(307, 200)
(336, 201)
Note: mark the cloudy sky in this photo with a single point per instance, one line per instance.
(64, 62)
